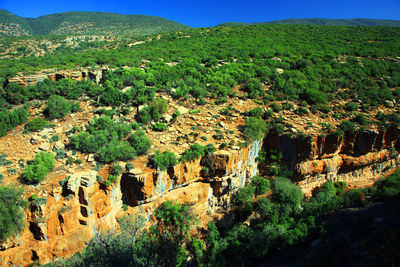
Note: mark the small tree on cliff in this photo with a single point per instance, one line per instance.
(11, 211)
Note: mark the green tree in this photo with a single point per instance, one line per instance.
(36, 171)
(12, 215)
(164, 160)
(35, 124)
(57, 107)
(255, 128)
(140, 142)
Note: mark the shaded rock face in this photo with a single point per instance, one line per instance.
(65, 219)
(358, 159)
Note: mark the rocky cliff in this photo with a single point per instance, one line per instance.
(61, 221)
(359, 159)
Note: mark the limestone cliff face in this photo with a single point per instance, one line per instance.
(94, 75)
(359, 159)
(60, 222)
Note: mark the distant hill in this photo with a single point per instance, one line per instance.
(332, 22)
(85, 23)
(234, 24)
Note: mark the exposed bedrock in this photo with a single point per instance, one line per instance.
(61, 222)
(359, 159)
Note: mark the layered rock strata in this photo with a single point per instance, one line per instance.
(60, 222)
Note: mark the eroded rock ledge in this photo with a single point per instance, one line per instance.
(61, 223)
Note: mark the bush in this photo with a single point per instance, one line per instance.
(390, 186)
(351, 106)
(153, 111)
(35, 125)
(287, 194)
(129, 166)
(57, 107)
(260, 184)
(160, 127)
(10, 119)
(39, 168)
(243, 200)
(340, 188)
(257, 112)
(360, 119)
(276, 107)
(116, 150)
(196, 151)
(12, 215)
(347, 126)
(255, 128)
(140, 142)
(164, 160)
(254, 88)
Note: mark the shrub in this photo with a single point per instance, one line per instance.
(196, 151)
(340, 188)
(390, 186)
(160, 127)
(38, 169)
(347, 126)
(287, 194)
(35, 125)
(257, 112)
(260, 184)
(243, 200)
(10, 119)
(164, 160)
(255, 128)
(254, 88)
(354, 196)
(360, 119)
(116, 150)
(276, 107)
(12, 215)
(351, 106)
(301, 111)
(140, 142)
(129, 166)
(57, 107)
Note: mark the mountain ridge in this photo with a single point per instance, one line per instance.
(324, 22)
(79, 22)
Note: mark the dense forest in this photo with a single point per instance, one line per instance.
(346, 73)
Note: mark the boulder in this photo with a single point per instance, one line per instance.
(44, 146)
(59, 145)
(90, 158)
(182, 110)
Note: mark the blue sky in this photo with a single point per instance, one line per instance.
(203, 13)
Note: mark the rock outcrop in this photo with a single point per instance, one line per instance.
(358, 159)
(60, 222)
(94, 75)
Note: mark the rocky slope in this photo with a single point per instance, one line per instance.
(72, 207)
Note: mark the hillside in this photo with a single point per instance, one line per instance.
(323, 22)
(257, 133)
(71, 23)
